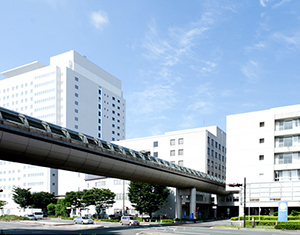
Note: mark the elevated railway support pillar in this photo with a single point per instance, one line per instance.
(178, 212)
(193, 203)
(191, 192)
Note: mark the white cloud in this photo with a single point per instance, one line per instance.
(153, 101)
(281, 3)
(205, 67)
(251, 70)
(264, 2)
(288, 41)
(178, 43)
(99, 19)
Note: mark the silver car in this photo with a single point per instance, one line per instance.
(83, 220)
(129, 220)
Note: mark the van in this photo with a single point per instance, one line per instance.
(38, 215)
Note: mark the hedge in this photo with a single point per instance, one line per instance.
(264, 217)
(262, 222)
(288, 226)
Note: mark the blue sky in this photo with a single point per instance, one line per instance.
(183, 64)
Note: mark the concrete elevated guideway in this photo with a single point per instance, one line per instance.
(28, 140)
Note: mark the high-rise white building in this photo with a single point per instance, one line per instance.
(202, 149)
(71, 92)
(264, 147)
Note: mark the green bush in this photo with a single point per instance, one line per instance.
(8, 218)
(288, 226)
(295, 213)
(293, 217)
(262, 222)
(275, 213)
(167, 221)
(109, 220)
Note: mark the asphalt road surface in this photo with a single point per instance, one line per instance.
(67, 227)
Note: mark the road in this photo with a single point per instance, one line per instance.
(66, 227)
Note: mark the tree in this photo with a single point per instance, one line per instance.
(147, 198)
(61, 207)
(2, 204)
(51, 209)
(41, 200)
(102, 199)
(76, 199)
(22, 197)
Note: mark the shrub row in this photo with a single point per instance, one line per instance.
(288, 226)
(108, 220)
(264, 217)
(7, 218)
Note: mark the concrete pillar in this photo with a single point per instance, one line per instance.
(193, 202)
(178, 213)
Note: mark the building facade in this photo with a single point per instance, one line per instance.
(202, 149)
(264, 147)
(71, 92)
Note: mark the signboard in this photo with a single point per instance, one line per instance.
(191, 216)
(282, 211)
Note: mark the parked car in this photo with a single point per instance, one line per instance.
(129, 220)
(32, 217)
(38, 215)
(83, 220)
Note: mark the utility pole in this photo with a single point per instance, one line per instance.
(244, 202)
(123, 197)
(239, 185)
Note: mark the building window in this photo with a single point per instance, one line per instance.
(180, 141)
(261, 141)
(155, 154)
(76, 79)
(76, 87)
(180, 162)
(172, 142)
(172, 153)
(155, 144)
(76, 102)
(208, 140)
(180, 151)
(76, 126)
(212, 142)
(76, 94)
(76, 118)
(208, 151)
(261, 157)
(261, 124)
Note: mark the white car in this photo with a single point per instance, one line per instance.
(32, 217)
(83, 220)
(38, 215)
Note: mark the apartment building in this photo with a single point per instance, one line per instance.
(71, 92)
(264, 147)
